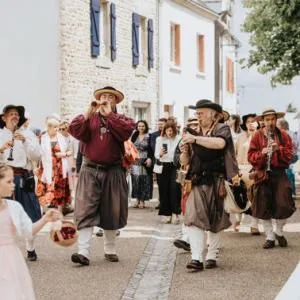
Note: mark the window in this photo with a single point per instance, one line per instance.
(104, 28)
(230, 76)
(175, 44)
(143, 40)
(141, 111)
(201, 53)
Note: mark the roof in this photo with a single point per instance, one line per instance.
(215, 5)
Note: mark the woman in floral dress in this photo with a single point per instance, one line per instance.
(141, 171)
(53, 186)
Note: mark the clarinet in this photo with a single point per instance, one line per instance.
(270, 135)
(10, 157)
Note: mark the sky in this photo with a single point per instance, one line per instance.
(254, 90)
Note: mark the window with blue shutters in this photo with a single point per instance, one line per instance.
(104, 28)
(95, 38)
(150, 44)
(135, 39)
(113, 38)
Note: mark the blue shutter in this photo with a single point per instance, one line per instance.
(150, 44)
(95, 38)
(135, 39)
(113, 40)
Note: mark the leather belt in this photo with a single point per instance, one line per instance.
(18, 171)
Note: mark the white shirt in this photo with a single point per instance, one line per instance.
(23, 153)
(20, 219)
(172, 144)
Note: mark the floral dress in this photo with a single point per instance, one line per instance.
(141, 179)
(58, 192)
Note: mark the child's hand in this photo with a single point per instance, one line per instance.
(52, 215)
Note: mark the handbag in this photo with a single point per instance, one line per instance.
(231, 205)
(131, 154)
(28, 183)
(158, 167)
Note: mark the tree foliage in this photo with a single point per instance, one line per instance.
(274, 27)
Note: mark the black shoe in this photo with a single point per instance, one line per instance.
(269, 244)
(31, 255)
(195, 265)
(111, 257)
(99, 233)
(80, 259)
(282, 242)
(210, 264)
(182, 245)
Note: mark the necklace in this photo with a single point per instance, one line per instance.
(103, 127)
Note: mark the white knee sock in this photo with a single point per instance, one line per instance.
(110, 241)
(84, 241)
(196, 237)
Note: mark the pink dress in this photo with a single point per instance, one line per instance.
(15, 280)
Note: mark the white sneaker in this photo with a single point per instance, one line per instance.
(166, 219)
(175, 219)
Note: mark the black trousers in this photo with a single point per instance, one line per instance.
(169, 191)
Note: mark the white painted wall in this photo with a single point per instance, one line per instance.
(185, 87)
(229, 100)
(29, 56)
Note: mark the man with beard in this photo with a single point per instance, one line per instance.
(270, 153)
(19, 148)
(102, 191)
(211, 161)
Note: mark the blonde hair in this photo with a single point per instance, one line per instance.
(51, 122)
(3, 169)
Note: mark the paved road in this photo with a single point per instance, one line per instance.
(150, 268)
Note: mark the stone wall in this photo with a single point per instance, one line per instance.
(81, 74)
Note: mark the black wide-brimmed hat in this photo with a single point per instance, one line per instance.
(245, 118)
(205, 103)
(20, 109)
(111, 90)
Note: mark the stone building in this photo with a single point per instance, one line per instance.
(57, 52)
(114, 43)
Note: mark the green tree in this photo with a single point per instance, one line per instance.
(274, 27)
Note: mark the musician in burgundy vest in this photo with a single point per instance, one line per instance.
(270, 153)
(102, 191)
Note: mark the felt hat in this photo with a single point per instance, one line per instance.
(245, 118)
(204, 103)
(20, 109)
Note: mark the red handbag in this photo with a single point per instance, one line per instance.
(131, 154)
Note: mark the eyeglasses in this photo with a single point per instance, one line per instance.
(63, 129)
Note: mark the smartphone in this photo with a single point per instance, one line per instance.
(165, 146)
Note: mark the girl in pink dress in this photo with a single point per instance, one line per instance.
(15, 280)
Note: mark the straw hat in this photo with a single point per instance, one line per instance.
(109, 89)
(66, 236)
(270, 111)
